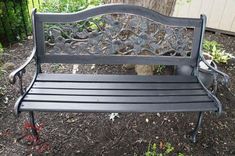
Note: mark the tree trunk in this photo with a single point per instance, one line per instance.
(165, 7)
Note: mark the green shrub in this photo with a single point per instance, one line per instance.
(159, 68)
(1, 48)
(1, 63)
(216, 51)
(14, 21)
(59, 6)
(163, 150)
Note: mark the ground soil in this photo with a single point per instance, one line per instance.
(95, 134)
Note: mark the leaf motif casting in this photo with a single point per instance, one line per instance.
(117, 34)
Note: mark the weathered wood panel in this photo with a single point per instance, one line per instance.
(165, 7)
(220, 13)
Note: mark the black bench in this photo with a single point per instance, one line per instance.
(119, 34)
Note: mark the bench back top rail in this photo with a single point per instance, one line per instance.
(116, 34)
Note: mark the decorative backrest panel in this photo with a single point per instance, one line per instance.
(117, 34)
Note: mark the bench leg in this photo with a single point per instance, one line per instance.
(33, 125)
(194, 133)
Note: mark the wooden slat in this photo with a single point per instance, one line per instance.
(115, 59)
(116, 99)
(115, 92)
(91, 107)
(103, 86)
(114, 78)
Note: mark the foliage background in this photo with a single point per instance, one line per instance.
(15, 23)
(58, 6)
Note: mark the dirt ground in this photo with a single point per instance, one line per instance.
(96, 134)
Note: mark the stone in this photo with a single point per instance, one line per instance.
(128, 66)
(144, 69)
(9, 66)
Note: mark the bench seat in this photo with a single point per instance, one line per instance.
(116, 93)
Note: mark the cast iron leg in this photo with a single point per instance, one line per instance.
(33, 126)
(197, 127)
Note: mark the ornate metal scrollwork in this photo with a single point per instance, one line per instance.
(117, 34)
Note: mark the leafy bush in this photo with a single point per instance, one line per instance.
(163, 150)
(59, 6)
(14, 21)
(159, 68)
(1, 62)
(1, 48)
(216, 51)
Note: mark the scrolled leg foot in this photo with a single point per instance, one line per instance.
(193, 137)
(33, 126)
(194, 132)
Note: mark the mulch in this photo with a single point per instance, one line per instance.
(96, 134)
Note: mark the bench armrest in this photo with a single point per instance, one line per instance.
(21, 69)
(225, 76)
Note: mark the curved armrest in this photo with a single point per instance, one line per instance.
(12, 76)
(225, 76)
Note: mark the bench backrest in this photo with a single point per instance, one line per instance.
(117, 34)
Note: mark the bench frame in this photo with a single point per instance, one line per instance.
(38, 56)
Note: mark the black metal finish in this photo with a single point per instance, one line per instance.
(130, 86)
(115, 99)
(103, 92)
(18, 72)
(116, 107)
(201, 58)
(123, 31)
(116, 60)
(117, 8)
(194, 133)
(117, 35)
(45, 77)
(21, 70)
(33, 125)
(116, 93)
